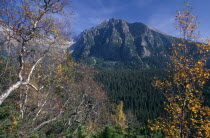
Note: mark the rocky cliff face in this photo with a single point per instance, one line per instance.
(118, 44)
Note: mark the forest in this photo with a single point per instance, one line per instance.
(44, 92)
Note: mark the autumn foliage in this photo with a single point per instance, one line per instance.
(187, 116)
(119, 117)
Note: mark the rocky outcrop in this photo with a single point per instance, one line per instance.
(118, 44)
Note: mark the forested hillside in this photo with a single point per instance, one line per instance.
(123, 80)
(135, 89)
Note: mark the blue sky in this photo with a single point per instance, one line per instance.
(156, 13)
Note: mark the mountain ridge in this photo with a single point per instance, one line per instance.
(116, 43)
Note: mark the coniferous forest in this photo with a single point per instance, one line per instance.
(135, 89)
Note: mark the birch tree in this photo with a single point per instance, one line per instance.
(29, 29)
(187, 116)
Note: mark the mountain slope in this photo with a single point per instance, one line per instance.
(118, 44)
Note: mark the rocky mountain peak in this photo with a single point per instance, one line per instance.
(116, 42)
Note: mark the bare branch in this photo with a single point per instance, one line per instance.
(37, 114)
(53, 119)
(32, 69)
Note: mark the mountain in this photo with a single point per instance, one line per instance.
(10, 46)
(122, 45)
